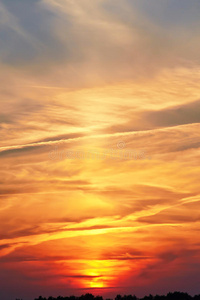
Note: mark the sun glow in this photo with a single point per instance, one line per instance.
(99, 272)
(96, 283)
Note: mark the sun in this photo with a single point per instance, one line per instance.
(97, 274)
(96, 284)
(96, 279)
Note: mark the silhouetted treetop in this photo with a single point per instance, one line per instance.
(169, 296)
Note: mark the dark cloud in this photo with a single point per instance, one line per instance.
(9, 245)
(175, 214)
(30, 187)
(164, 218)
(5, 119)
(61, 137)
(148, 120)
(36, 149)
(178, 115)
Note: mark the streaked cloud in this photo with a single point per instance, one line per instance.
(119, 81)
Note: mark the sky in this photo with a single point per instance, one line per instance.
(100, 147)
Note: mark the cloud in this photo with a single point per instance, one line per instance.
(21, 151)
(175, 214)
(74, 39)
(149, 120)
(90, 76)
(178, 115)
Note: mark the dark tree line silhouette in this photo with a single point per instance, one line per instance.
(169, 296)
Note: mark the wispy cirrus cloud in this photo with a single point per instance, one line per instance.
(94, 77)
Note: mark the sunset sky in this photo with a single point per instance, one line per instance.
(100, 147)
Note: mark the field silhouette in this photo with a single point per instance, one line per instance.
(169, 296)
